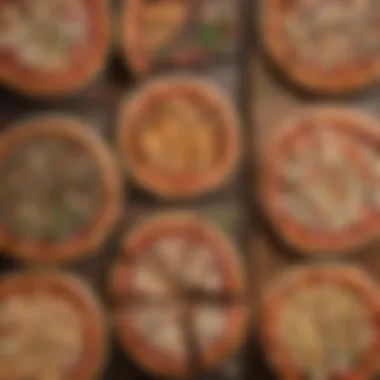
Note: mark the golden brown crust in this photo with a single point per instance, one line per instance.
(180, 185)
(76, 130)
(349, 78)
(185, 224)
(81, 298)
(292, 232)
(89, 60)
(349, 277)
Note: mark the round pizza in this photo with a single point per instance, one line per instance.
(325, 45)
(59, 192)
(178, 137)
(322, 322)
(51, 328)
(320, 180)
(149, 27)
(52, 47)
(178, 295)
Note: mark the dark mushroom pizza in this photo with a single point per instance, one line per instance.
(178, 295)
(325, 45)
(320, 181)
(322, 323)
(178, 137)
(51, 47)
(51, 328)
(60, 189)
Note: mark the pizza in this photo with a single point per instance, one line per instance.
(149, 27)
(60, 189)
(327, 46)
(52, 47)
(51, 328)
(322, 322)
(178, 289)
(320, 180)
(178, 137)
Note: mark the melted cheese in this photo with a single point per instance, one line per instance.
(39, 333)
(329, 34)
(324, 190)
(209, 324)
(325, 330)
(161, 327)
(40, 34)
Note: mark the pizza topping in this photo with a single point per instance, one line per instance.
(161, 327)
(41, 34)
(325, 330)
(50, 190)
(177, 136)
(209, 324)
(161, 20)
(148, 281)
(39, 335)
(329, 34)
(322, 185)
(191, 262)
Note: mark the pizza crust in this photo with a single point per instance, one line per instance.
(60, 125)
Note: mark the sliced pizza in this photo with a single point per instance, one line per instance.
(149, 27)
(51, 328)
(322, 322)
(320, 182)
(328, 46)
(52, 47)
(178, 137)
(60, 189)
(178, 308)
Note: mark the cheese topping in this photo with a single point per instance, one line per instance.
(323, 186)
(330, 34)
(161, 326)
(325, 329)
(41, 34)
(177, 136)
(191, 262)
(50, 190)
(39, 335)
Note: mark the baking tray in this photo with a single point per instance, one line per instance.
(226, 207)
